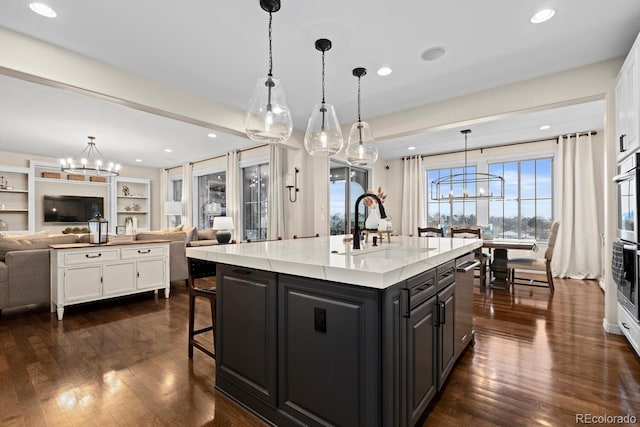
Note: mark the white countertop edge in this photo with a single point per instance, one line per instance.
(315, 269)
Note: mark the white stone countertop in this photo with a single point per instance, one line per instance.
(329, 258)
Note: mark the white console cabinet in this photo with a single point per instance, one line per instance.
(83, 272)
(630, 328)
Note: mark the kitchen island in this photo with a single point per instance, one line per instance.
(311, 332)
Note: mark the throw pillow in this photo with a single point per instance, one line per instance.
(192, 233)
(207, 234)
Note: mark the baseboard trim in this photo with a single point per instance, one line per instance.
(611, 328)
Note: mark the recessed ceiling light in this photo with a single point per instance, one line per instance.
(43, 10)
(138, 160)
(168, 150)
(434, 53)
(384, 71)
(411, 148)
(212, 135)
(545, 127)
(542, 16)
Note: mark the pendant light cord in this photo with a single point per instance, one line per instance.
(323, 76)
(359, 120)
(270, 49)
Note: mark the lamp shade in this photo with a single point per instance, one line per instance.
(324, 135)
(268, 118)
(223, 226)
(361, 150)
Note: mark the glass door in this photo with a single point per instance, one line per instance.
(346, 184)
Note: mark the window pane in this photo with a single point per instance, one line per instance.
(544, 217)
(212, 199)
(346, 184)
(528, 219)
(496, 217)
(527, 180)
(495, 187)
(510, 219)
(255, 190)
(511, 180)
(543, 178)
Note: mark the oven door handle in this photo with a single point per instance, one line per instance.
(625, 176)
(630, 247)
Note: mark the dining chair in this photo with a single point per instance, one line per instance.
(535, 264)
(468, 232)
(430, 232)
(295, 236)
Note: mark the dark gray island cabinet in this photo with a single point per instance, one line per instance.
(306, 351)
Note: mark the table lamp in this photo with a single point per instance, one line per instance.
(223, 226)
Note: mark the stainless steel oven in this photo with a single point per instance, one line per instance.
(625, 271)
(627, 200)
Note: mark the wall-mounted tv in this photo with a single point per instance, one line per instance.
(72, 208)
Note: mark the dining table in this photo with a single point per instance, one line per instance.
(500, 248)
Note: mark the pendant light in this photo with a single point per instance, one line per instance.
(361, 150)
(324, 136)
(268, 118)
(467, 185)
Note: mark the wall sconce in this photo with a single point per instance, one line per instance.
(294, 185)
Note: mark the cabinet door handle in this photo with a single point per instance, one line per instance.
(144, 252)
(101, 280)
(138, 274)
(240, 271)
(404, 303)
(443, 313)
(625, 325)
(93, 256)
(622, 149)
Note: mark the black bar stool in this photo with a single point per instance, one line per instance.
(198, 269)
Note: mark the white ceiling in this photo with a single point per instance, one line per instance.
(217, 49)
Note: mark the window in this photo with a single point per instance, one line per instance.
(346, 184)
(255, 193)
(447, 212)
(526, 212)
(211, 198)
(174, 188)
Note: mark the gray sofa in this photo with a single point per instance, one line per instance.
(25, 276)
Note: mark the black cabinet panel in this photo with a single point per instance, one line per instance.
(333, 330)
(446, 333)
(246, 332)
(420, 359)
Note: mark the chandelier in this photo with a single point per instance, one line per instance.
(467, 185)
(90, 162)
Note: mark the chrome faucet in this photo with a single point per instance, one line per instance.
(356, 229)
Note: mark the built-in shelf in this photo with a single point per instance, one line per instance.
(14, 210)
(130, 191)
(15, 200)
(132, 212)
(15, 191)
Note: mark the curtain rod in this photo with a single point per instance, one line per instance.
(481, 149)
(218, 156)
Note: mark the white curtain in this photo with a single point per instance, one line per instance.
(233, 191)
(187, 184)
(275, 215)
(164, 182)
(578, 248)
(412, 195)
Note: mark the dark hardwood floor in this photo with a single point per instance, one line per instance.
(538, 360)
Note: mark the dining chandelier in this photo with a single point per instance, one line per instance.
(467, 185)
(90, 162)
(361, 150)
(268, 118)
(323, 136)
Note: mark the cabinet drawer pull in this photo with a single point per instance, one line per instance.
(622, 149)
(443, 313)
(144, 252)
(240, 271)
(404, 303)
(93, 256)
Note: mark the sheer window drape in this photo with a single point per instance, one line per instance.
(412, 195)
(164, 193)
(187, 193)
(275, 215)
(233, 190)
(578, 248)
